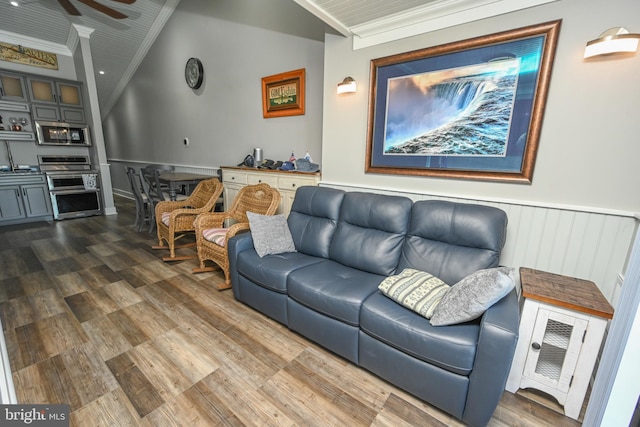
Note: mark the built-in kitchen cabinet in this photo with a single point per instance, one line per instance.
(17, 112)
(24, 198)
(56, 100)
(12, 87)
(10, 203)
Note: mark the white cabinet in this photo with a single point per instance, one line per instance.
(561, 331)
(234, 178)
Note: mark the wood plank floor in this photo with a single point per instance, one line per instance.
(92, 317)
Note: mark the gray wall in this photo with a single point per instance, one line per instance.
(589, 147)
(223, 119)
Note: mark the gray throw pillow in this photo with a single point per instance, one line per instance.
(473, 295)
(417, 290)
(271, 234)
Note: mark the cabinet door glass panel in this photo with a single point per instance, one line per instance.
(553, 350)
(69, 94)
(556, 340)
(42, 91)
(12, 87)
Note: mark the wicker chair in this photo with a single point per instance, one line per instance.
(177, 217)
(212, 234)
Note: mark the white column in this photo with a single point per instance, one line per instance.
(84, 34)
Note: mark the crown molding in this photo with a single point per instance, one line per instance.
(431, 17)
(328, 19)
(34, 43)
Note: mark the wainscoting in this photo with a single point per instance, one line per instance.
(575, 241)
(588, 244)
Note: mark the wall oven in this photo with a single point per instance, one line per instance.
(73, 186)
(54, 133)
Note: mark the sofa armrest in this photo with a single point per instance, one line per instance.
(496, 346)
(238, 243)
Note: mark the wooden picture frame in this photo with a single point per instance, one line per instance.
(283, 94)
(470, 109)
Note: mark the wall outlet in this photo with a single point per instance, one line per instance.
(186, 142)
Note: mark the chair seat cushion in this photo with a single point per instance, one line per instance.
(333, 289)
(450, 347)
(217, 236)
(165, 218)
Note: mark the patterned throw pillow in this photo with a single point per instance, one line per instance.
(472, 296)
(215, 235)
(417, 290)
(271, 234)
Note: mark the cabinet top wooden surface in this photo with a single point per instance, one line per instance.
(564, 291)
(248, 169)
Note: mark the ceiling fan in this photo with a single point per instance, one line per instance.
(71, 9)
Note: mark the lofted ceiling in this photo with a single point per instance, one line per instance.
(119, 45)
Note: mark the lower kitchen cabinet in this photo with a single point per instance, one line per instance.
(24, 198)
(10, 203)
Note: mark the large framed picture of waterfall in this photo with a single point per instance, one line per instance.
(470, 109)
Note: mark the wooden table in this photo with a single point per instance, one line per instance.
(177, 179)
(561, 330)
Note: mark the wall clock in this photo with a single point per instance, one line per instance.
(193, 73)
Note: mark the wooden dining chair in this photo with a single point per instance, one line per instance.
(142, 204)
(213, 230)
(175, 218)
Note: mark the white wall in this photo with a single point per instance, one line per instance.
(586, 179)
(588, 146)
(583, 195)
(223, 119)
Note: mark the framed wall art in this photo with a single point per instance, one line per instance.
(468, 109)
(283, 94)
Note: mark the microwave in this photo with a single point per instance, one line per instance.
(54, 133)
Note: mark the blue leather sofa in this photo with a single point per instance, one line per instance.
(347, 243)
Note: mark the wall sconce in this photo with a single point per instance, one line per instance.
(613, 40)
(348, 85)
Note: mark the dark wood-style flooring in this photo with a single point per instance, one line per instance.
(92, 317)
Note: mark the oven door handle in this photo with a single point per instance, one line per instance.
(77, 191)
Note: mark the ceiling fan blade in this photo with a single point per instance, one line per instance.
(126, 1)
(104, 9)
(71, 9)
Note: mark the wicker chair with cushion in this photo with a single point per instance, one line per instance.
(176, 217)
(213, 230)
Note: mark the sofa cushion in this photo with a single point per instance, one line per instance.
(417, 290)
(473, 295)
(313, 219)
(450, 347)
(370, 232)
(271, 271)
(452, 240)
(270, 234)
(332, 289)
